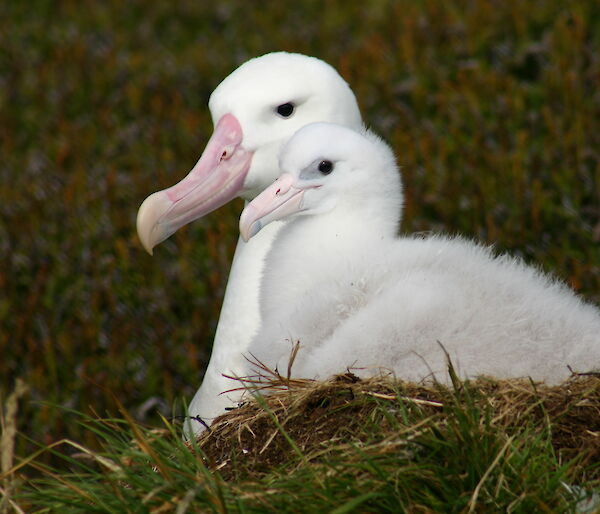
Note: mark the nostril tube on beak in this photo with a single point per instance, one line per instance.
(226, 154)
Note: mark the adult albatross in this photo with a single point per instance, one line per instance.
(254, 111)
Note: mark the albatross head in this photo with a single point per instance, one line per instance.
(326, 167)
(254, 111)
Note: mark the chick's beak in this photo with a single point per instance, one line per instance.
(279, 200)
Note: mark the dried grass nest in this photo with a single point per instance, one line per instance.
(320, 417)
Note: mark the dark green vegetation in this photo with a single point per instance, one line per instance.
(492, 108)
(348, 446)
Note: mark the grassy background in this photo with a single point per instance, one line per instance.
(493, 109)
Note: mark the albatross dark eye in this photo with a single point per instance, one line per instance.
(286, 110)
(325, 167)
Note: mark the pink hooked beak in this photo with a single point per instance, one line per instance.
(279, 200)
(216, 179)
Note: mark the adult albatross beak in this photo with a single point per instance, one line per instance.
(279, 200)
(216, 178)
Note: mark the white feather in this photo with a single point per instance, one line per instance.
(354, 295)
(252, 93)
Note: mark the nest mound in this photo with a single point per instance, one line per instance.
(313, 419)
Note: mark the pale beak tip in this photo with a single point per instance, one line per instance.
(248, 232)
(149, 249)
(146, 242)
(249, 224)
(148, 220)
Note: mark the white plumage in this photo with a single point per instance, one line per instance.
(250, 113)
(339, 281)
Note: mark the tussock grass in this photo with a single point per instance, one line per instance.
(492, 108)
(345, 445)
(314, 414)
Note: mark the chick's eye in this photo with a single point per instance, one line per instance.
(325, 167)
(286, 110)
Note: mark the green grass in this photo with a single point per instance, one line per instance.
(390, 454)
(492, 108)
